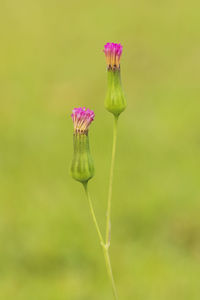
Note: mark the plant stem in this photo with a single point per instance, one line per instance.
(109, 270)
(93, 214)
(108, 218)
(104, 246)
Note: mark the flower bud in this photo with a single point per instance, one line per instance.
(115, 101)
(82, 168)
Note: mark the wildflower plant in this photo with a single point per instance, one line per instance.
(82, 167)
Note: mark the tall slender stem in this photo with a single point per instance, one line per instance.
(108, 218)
(104, 246)
(110, 273)
(93, 214)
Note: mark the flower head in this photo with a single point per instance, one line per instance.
(113, 53)
(82, 118)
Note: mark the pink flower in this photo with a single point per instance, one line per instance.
(113, 53)
(82, 118)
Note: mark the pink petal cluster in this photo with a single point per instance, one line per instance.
(113, 53)
(82, 118)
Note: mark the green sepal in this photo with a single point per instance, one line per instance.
(115, 101)
(82, 168)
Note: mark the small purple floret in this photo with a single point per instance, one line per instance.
(82, 118)
(113, 52)
(113, 48)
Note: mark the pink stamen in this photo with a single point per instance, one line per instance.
(113, 54)
(82, 118)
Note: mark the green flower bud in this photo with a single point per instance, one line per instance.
(82, 168)
(115, 101)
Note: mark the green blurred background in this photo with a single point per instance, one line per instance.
(51, 60)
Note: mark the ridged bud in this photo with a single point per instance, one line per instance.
(82, 167)
(115, 101)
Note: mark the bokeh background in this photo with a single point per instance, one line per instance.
(51, 60)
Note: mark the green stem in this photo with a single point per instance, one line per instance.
(104, 246)
(108, 218)
(109, 270)
(93, 214)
